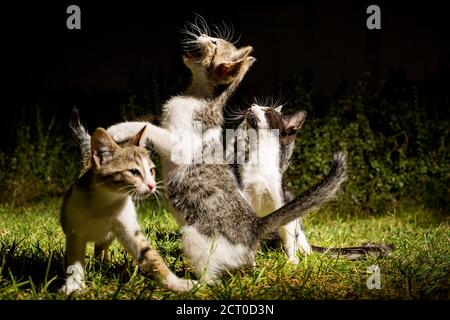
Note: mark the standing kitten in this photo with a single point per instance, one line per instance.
(262, 180)
(98, 207)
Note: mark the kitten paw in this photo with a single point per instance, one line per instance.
(305, 250)
(180, 285)
(294, 260)
(251, 60)
(72, 286)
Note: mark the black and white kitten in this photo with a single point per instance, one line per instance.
(261, 180)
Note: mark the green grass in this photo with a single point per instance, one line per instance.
(32, 261)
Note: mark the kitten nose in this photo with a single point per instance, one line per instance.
(151, 186)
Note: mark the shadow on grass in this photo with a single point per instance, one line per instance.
(41, 270)
(32, 267)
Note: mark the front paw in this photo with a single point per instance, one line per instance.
(248, 63)
(250, 60)
(181, 285)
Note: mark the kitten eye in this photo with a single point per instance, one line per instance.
(152, 171)
(135, 172)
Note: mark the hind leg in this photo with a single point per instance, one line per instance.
(101, 251)
(199, 250)
(302, 242)
(212, 256)
(294, 239)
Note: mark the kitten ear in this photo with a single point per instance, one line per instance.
(278, 109)
(295, 122)
(229, 69)
(139, 138)
(103, 147)
(245, 51)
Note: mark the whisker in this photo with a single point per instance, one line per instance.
(157, 199)
(162, 187)
(237, 40)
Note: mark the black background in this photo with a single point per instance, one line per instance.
(124, 44)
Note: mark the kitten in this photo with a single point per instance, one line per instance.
(262, 181)
(220, 230)
(98, 207)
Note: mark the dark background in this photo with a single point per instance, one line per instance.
(118, 39)
(124, 44)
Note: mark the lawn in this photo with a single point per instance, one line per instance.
(32, 261)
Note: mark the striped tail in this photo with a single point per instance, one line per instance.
(83, 139)
(309, 201)
(354, 253)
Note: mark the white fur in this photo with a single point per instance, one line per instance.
(172, 282)
(211, 256)
(75, 279)
(160, 137)
(261, 183)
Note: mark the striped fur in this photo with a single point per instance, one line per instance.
(99, 207)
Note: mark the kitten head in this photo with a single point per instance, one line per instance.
(214, 59)
(270, 118)
(125, 169)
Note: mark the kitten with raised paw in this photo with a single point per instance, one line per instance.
(99, 208)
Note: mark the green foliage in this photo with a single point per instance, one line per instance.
(42, 163)
(397, 150)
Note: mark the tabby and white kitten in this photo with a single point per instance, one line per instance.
(99, 207)
(261, 180)
(220, 230)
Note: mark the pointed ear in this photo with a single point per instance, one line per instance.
(139, 138)
(229, 69)
(295, 122)
(245, 51)
(103, 147)
(278, 109)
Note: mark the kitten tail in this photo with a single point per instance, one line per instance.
(309, 201)
(83, 139)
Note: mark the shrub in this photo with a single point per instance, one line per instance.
(42, 163)
(397, 149)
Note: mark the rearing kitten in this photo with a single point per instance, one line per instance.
(98, 207)
(262, 181)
